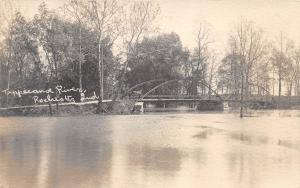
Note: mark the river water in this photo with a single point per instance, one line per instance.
(176, 150)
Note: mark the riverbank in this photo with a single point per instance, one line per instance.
(66, 109)
(46, 110)
(120, 107)
(125, 107)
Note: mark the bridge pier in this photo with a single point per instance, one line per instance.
(139, 107)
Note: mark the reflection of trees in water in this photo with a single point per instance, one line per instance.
(249, 139)
(206, 132)
(19, 153)
(252, 166)
(246, 167)
(81, 152)
(289, 144)
(64, 152)
(154, 158)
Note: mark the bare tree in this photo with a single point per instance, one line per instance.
(296, 69)
(105, 18)
(76, 10)
(248, 44)
(292, 72)
(7, 11)
(139, 17)
(201, 55)
(196, 65)
(211, 72)
(281, 59)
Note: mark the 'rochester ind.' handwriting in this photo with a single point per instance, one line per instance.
(48, 99)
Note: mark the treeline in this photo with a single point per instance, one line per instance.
(73, 46)
(106, 47)
(259, 65)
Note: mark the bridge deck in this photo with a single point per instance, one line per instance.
(162, 99)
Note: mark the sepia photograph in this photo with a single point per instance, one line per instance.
(150, 93)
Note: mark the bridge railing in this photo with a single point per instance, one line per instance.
(180, 97)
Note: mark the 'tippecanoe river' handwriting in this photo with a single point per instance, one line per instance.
(57, 90)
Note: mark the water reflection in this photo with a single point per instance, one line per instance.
(169, 150)
(56, 155)
(249, 139)
(288, 144)
(15, 151)
(206, 132)
(149, 158)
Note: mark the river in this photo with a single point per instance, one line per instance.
(169, 150)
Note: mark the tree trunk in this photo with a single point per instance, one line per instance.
(290, 88)
(273, 83)
(279, 86)
(242, 91)
(99, 108)
(8, 68)
(50, 109)
(8, 86)
(280, 67)
(80, 58)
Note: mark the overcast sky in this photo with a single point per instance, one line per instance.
(184, 17)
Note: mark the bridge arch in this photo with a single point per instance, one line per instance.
(180, 80)
(139, 85)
